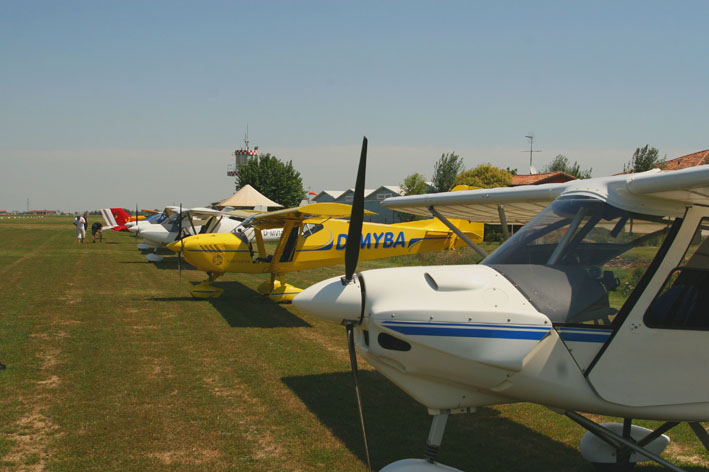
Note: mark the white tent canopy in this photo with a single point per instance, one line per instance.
(247, 196)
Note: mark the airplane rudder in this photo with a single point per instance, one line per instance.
(121, 216)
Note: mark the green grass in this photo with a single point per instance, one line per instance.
(112, 366)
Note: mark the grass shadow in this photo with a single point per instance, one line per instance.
(243, 307)
(397, 428)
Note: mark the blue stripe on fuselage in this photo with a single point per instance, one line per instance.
(584, 335)
(468, 330)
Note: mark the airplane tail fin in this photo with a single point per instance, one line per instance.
(121, 216)
(108, 217)
(475, 231)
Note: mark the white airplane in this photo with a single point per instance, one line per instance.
(175, 223)
(596, 305)
(169, 227)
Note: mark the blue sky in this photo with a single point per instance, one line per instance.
(125, 103)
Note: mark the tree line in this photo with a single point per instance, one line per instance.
(282, 183)
(449, 172)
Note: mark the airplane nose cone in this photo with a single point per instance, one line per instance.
(332, 300)
(133, 228)
(175, 247)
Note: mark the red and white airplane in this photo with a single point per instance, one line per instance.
(117, 219)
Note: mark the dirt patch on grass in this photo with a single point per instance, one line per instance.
(157, 367)
(29, 451)
(192, 456)
(249, 409)
(681, 453)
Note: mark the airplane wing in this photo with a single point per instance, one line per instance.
(200, 211)
(243, 214)
(671, 191)
(521, 203)
(170, 210)
(314, 211)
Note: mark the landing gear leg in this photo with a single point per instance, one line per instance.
(435, 435)
(433, 445)
(205, 289)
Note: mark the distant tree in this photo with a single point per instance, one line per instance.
(511, 171)
(485, 176)
(446, 170)
(275, 179)
(561, 164)
(414, 184)
(643, 159)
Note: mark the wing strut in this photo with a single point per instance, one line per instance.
(503, 222)
(458, 232)
(608, 435)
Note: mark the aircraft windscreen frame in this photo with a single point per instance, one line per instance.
(157, 218)
(580, 258)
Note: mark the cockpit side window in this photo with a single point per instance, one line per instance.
(579, 260)
(683, 300)
(310, 229)
(172, 223)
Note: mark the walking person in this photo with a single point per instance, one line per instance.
(80, 224)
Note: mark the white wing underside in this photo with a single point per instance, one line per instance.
(654, 191)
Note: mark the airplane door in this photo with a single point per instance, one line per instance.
(659, 351)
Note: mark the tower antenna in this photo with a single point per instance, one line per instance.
(530, 136)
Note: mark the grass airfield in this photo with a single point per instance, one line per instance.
(112, 366)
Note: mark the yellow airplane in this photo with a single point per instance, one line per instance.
(313, 236)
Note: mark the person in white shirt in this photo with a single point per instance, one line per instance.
(80, 222)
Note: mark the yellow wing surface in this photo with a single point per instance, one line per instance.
(314, 212)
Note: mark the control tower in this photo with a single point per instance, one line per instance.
(241, 158)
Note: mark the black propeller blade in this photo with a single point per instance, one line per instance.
(354, 235)
(136, 220)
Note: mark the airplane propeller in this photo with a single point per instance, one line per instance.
(345, 292)
(354, 236)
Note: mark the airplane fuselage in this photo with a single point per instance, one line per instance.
(312, 245)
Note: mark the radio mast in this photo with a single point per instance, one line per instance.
(532, 170)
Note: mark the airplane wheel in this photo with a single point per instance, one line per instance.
(613, 467)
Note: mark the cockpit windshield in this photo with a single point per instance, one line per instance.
(580, 258)
(157, 218)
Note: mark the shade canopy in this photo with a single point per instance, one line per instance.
(247, 196)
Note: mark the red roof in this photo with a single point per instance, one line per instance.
(546, 178)
(690, 160)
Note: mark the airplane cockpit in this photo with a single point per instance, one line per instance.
(580, 258)
(157, 218)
